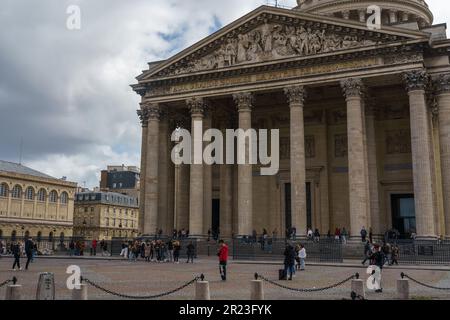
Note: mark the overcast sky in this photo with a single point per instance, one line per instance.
(66, 93)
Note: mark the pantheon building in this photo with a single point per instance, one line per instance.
(363, 113)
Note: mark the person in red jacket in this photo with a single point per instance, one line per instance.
(223, 259)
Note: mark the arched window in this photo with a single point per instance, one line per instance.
(61, 237)
(27, 234)
(13, 235)
(4, 190)
(41, 195)
(29, 194)
(1, 233)
(16, 192)
(53, 197)
(50, 236)
(64, 198)
(39, 236)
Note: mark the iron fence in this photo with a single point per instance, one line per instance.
(273, 249)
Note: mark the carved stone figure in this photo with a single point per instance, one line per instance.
(271, 41)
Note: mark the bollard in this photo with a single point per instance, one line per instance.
(358, 287)
(81, 293)
(202, 290)
(257, 290)
(403, 289)
(13, 291)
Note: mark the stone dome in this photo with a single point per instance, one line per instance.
(393, 11)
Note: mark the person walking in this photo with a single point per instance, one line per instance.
(302, 256)
(394, 255)
(223, 259)
(378, 259)
(367, 252)
(29, 245)
(190, 252)
(289, 261)
(316, 235)
(344, 235)
(15, 248)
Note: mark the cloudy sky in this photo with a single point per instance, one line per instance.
(65, 93)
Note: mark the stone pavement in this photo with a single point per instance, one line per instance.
(141, 278)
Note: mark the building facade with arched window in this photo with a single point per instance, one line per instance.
(33, 203)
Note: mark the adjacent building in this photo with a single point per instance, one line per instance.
(34, 204)
(363, 114)
(105, 215)
(121, 179)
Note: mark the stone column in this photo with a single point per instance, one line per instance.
(151, 170)
(226, 194)
(416, 82)
(207, 183)
(244, 105)
(356, 159)
(163, 172)
(143, 116)
(170, 184)
(197, 107)
(372, 164)
(182, 196)
(443, 100)
(296, 96)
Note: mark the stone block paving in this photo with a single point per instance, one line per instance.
(142, 278)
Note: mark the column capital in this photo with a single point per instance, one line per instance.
(415, 80)
(196, 106)
(352, 87)
(442, 83)
(296, 95)
(244, 101)
(143, 116)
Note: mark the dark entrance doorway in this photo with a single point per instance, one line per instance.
(288, 206)
(403, 214)
(215, 216)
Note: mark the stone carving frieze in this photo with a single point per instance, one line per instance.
(394, 112)
(398, 141)
(271, 41)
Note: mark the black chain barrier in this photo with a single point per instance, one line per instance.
(13, 280)
(150, 297)
(355, 276)
(403, 275)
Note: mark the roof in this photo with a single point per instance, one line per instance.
(106, 198)
(18, 168)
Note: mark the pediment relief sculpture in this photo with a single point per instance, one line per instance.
(271, 41)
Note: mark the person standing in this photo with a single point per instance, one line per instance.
(289, 261)
(370, 235)
(367, 252)
(94, 247)
(344, 235)
(378, 259)
(147, 251)
(394, 255)
(190, 252)
(223, 259)
(176, 251)
(29, 245)
(72, 247)
(302, 256)
(363, 234)
(170, 250)
(15, 248)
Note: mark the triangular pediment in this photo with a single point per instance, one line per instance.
(271, 34)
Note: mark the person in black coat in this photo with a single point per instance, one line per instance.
(190, 252)
(29, 245)
(15, 248)
(289, 261)
(378, 259)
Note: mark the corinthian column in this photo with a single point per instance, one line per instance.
(416, 82)
(296, 96)
(197, 107)
(357, 164)
(143, 116)
(151, 170)
(245, 176)
(163, 172)
(207, 183)
(443, 100)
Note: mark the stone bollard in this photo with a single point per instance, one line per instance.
(403, 289)
(202, 290)
(81, 293)
(13, 292)
(358, 287)
(257, 290)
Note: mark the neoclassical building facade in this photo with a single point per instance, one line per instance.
(34, 204)
(363, 114)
